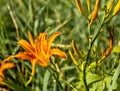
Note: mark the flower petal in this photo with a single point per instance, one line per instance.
(43, 46)
(25, 55)
(44, 43)
(2, 82)
(31, 38)
(7, 59)
(44, 62)
(51, 38)
(58, 52)
(7, 66)
(26, 46)
(37, 45)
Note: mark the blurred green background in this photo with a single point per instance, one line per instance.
(17, 17)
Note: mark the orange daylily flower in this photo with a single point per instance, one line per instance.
(39, 50)
(5, 65)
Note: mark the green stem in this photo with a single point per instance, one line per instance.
(88, 54)
(56, 77)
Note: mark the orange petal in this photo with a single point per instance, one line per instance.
(44, 62)
(43, 45)
(31, 38)
(7, 66)
(25, 55)
(37, 45)
(1, 74)
(58, 52)
(51, 38)
(26, 46)
(1, 82)
(7, 59)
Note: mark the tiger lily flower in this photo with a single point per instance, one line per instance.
(39, 50)
(5, 65)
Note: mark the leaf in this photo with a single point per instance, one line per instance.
(116, 49)
(114, 79)
(91, 78)
(16, 87)
(46, 80)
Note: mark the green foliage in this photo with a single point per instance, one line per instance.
(17, 17)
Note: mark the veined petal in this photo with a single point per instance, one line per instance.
(31, 38)
(26, 46)
(51, 38)
(44, 42)
(25, 55)
(37, 45)
(58, 52)
(43, 45)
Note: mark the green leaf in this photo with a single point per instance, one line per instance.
(46, 80)
(114, 79)
(16, 87)
(91, 78)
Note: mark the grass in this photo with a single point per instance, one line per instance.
(20, 16)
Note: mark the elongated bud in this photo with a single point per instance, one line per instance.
(73, 59)
(94, 14)
(89, 5)
(80, 8)
(110, 5)
(116, 9)
(75, 48)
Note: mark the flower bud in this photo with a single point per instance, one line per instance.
(94, 14)
(80, 8)
(73, 59)
(110, 5)
(89, 5)
(116, 9)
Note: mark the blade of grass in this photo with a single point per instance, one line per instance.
(114, 79)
